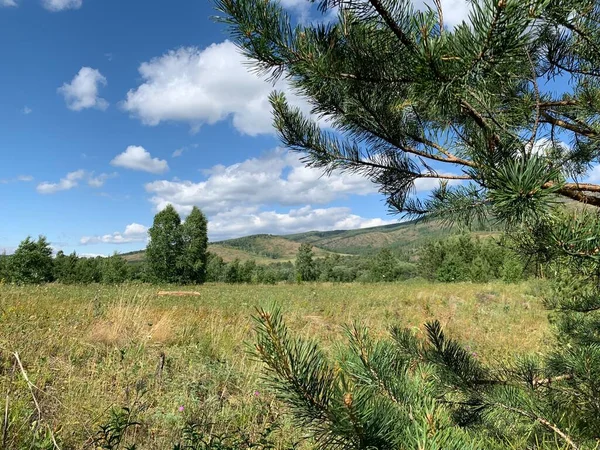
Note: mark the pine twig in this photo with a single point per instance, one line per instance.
(542, 421)
(550, 380)
(440, 12)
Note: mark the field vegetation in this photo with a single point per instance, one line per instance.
(181, 363)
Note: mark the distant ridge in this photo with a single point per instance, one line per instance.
(268, 248)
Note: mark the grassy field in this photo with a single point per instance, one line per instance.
(89, 349)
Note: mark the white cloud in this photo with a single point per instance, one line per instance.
(593, 175)
(454, 11)
(98, 181)
(177, 153)
(277, 177)
(70, 181)
(137, 158)
(23, 178)
(26, 110)
(59, 5)
(82, 91)
(134, 232)
(204, 87)
(8, 3)
(92, 255)
(544, 145)
(240, 222)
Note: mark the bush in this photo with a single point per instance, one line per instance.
(32, 262)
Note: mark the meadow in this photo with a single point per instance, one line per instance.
(172, 360)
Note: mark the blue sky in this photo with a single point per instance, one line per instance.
(112, 109)
(156, 83)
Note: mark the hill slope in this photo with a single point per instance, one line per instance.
(267, 248)
(405, 236)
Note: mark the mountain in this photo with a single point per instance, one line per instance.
(268, 248)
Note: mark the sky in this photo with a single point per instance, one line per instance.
(112, 109)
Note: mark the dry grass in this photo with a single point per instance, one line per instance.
(90, 348)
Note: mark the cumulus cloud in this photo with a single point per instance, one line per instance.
(205, 86)
(26, 110)
(82, 92)
(242, 222)
(8, 3)
(134, 232)
(277, 177)
(138, 158)
(59, 5)
(70, 181)
(177, 153)
(98, 181)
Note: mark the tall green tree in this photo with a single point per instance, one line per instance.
(65, 267)
(165, 250)
(195, 247)
(88, 270)
(114, 269)
(305, 265)
(32, 262)
(410, 99)
(384, 266)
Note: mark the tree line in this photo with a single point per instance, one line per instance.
(177, 253)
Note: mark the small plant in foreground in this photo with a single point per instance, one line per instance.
(113, 434)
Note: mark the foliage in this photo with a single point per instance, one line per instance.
(114, 269)
(4, 268)
(462, 258)
(113, 434)
(412, 98)
(305, 265)
(165, 249)
(177, 252)
(195, 243)
(65, 267)
(384, 266)
(371, 400)
(32, 262)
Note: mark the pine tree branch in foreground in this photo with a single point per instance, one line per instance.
(400, 87)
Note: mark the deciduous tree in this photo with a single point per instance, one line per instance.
(165, 249)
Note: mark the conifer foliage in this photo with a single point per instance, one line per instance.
(305, 265)
(408, 98)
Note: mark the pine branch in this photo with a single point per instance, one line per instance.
(393, 26)
(542, 421)
(584, 131)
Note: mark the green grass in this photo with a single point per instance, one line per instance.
(89, 348)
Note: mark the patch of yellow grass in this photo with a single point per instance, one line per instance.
(131, 320)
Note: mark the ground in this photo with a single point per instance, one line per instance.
(87, 349)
